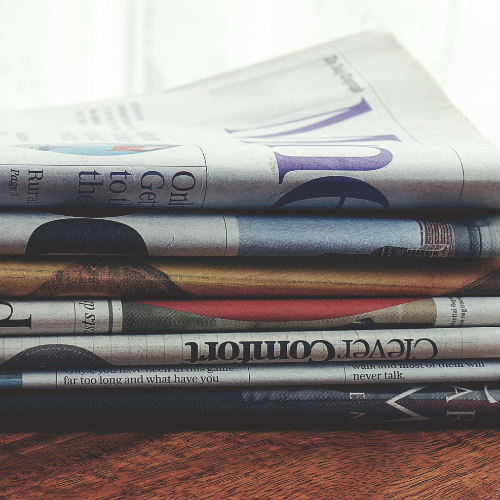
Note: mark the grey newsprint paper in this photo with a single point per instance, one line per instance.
(407, 372)
(251, 347)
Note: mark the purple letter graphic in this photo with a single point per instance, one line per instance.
(289, 163)
(324, 120)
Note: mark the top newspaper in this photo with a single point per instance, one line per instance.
(353, 124)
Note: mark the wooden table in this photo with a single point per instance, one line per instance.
(362, 462)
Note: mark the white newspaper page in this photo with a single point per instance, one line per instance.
(353, 124)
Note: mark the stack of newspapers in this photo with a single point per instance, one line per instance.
(312, 239)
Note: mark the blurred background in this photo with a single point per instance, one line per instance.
(55, 52)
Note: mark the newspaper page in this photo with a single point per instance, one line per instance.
(303, 347)
(252, 406)
(165, 235)
(352, 124)
(99, 316)
(260, 375)
(184, 278)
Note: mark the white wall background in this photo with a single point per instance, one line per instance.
(60, 51)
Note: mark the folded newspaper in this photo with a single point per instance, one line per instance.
(209, 235)
(353, 124)
(231, 349)
(184, 278)
(253, 375)
(105, 316)
(252, 406)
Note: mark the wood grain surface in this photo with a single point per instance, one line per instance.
(409, 463)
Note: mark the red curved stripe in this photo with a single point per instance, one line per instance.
(279, 310)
